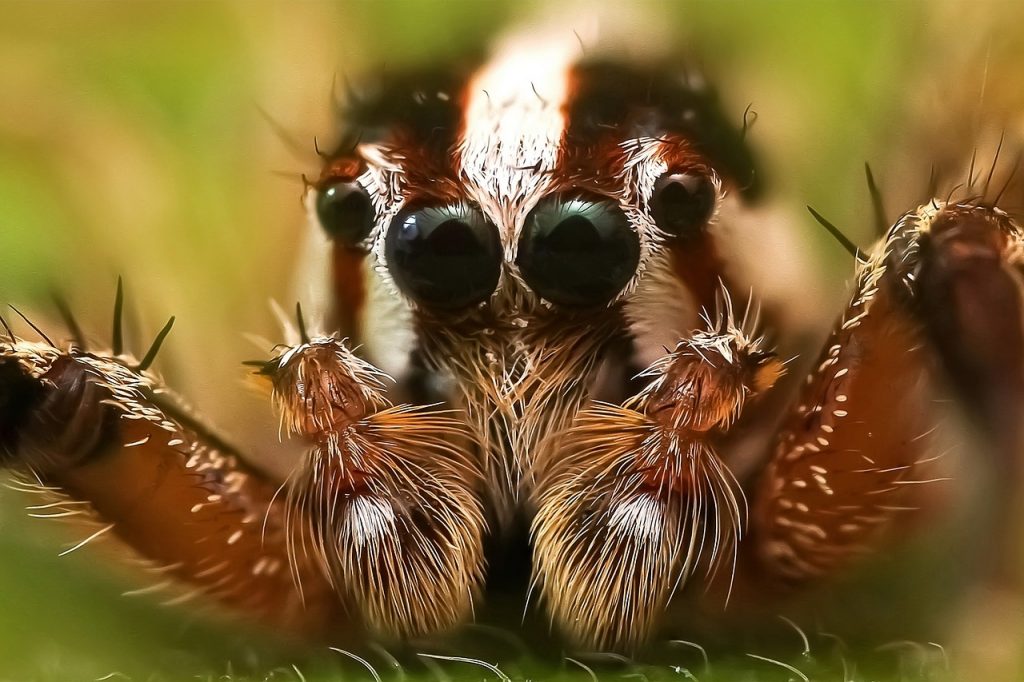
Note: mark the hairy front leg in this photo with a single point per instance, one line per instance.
(388, 496)
(92, 428)
(632, 499)
(939, 297)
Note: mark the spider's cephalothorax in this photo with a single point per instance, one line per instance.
(505, 249)
(530, 225)
(523, 222)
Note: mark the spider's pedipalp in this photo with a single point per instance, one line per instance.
(631, 499)
(388, 496)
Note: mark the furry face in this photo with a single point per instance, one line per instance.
(523, 220)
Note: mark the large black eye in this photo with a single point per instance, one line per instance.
(444, 256)
(345, 212)
(682, 203)
(578, 252)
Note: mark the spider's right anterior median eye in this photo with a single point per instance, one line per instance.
(682, 203)
(578, 252)
(444, 256)
(345, 212)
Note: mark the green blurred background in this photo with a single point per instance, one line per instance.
(135, 141)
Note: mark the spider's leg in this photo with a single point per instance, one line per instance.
(633, 498)
(970, 286)
(941, 291)
(88, 428)
(390, 495)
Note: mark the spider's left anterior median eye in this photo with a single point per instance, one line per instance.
(444, 256)
(345, 212)
(578, 252)
(682, 203)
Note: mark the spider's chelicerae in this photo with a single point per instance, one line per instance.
(539, 351)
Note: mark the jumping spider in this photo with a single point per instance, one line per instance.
(535, 344)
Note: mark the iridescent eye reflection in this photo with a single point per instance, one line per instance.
(578, 251)
(682, 204)
(444, 256)
(345, 212)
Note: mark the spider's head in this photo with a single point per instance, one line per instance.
(512, 225)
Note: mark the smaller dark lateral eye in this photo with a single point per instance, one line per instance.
(345, 212)
(682, 204)
(444, 257)
(578, 252)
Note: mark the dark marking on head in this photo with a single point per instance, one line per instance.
(423, 106)
(655, 101)
(418, 112)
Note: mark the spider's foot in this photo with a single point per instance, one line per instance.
(389, 495)
(632, 496)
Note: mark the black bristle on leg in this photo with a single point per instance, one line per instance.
(117, 334)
